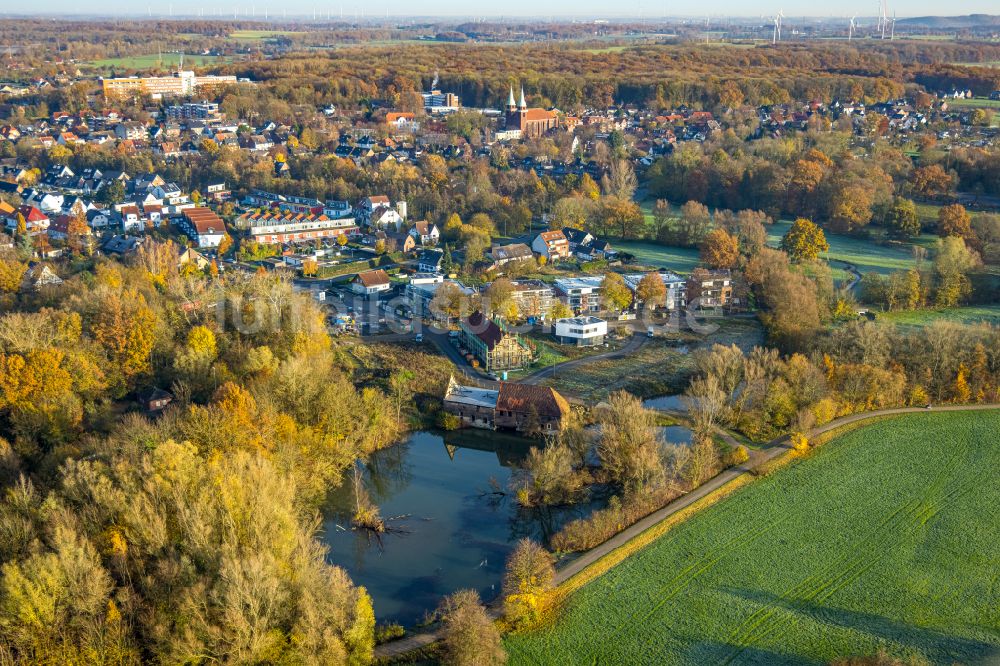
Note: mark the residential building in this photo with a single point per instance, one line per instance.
(505, 254)
(371, 283)
(203, 226)
(35, 221)
(426, 233)
(279, 227)
(430, 261)
(580, 331)
(39, 276)
(385, 217)
(710, 289)
(553, 245)
(675, 286)
(533, 298)
(489, 341)
(217, 192)
(193, 110)
(581, 294)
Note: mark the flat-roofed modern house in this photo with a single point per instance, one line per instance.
(582, 294)
(675, 285)
(580, 331)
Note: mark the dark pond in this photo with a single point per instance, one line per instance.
(454, 530)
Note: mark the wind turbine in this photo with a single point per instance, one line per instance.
(776, 35)
(850, 30)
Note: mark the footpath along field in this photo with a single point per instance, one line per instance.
(888, 536)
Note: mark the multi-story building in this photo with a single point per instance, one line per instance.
(490, 342)
(675, 286)
(587, 331)
(282, 227)
(193, 111)
(553, 245)
(581, 294)
(437, 102)
(179, 83)
(533, 298)
(710, 289)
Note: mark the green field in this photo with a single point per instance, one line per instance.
(866, 255)
(966, 315)
(677, 259)
(164, 61)
(888, 537)
(979, 102)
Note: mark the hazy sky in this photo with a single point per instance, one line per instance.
(556, 8)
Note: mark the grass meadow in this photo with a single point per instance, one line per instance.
(886, 537)
(866, 255)
(970, 314)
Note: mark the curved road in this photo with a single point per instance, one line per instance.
(773, 449)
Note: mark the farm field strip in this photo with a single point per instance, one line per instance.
(885, 537)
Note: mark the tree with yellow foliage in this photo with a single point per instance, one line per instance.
(527, 579)
(125, 327)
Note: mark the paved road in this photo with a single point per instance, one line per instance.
(774, 448)
(637, 341)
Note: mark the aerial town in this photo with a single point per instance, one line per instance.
(367, 341)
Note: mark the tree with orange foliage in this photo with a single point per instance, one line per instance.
(954, 220)
(931, 181)
(720, 249)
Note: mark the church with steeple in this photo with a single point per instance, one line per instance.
(531, 122)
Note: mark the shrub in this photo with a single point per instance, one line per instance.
(737, 456)
(527, 579)
(388, 632)
(799, 442)
(470, 636)
(447, 421)
(598, 527)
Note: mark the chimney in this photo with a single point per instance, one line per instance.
(401, 209)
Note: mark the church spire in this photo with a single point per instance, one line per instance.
(510, 100)
(523, 104)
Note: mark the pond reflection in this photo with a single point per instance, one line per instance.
(451, 520)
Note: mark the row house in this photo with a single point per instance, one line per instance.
(278, 227)
(203, 226)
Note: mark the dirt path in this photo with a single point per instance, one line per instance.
(774, 449)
